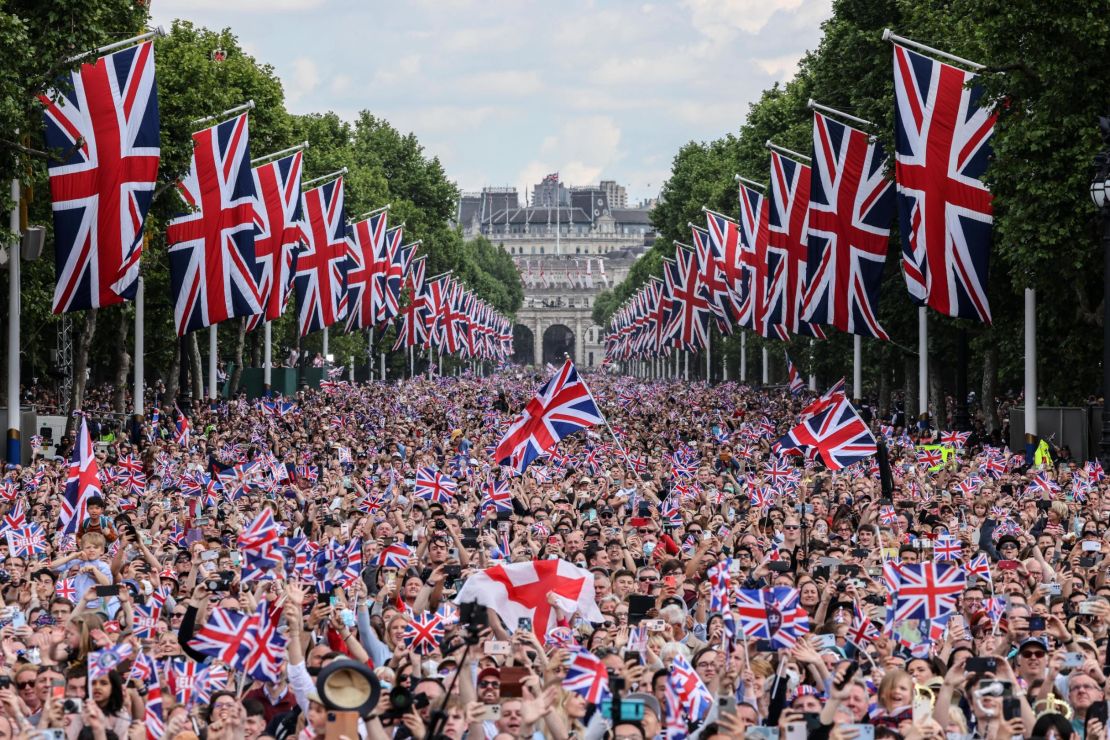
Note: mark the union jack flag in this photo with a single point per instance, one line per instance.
(432, 485)
(693, 696)
(851, 205)
(927, 590)
(366, 248)
(212, 266)
(101, 662)
(980, 566)
(66, 588)
(181, 429)
(773, 614)
(280, 230)
(423, 633)
(259, 542)
(103, 125)
(689, 324)
(955, 439)
(838, 434)
(321, 276)
(182, 678)
(753, 233)
(787, 251)
(153, 720)
(930, 458)
(947, 547)
(223, 637)
(863, 630)
(942, 135)
(561, 407)
(714, 281)
(887, 515)
(143, 670)
(265, 645)
(587, 676)
(396, 556)
(27, 542)
(496, 497)
(82, 484)
(795, 379)
(145, 620)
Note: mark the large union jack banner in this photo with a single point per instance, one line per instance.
(714, 281)
(412, 324)
(851, 204)
(366, 250)
(689, 324)
(321, 276)
(837, 434)
(280, 231)
(942, 137)
(103, 124)
(212, 265)
(561, 407)
(788, 203)
(753, 233)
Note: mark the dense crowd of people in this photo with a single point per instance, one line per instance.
(956, 590)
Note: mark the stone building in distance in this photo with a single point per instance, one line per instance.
(569, 244)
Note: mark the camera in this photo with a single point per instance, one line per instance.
(72, 706)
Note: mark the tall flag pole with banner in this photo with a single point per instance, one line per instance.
(102, 123)
(942, 133)
(321, 276)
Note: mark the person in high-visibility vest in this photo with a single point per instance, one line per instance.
(1042, 457)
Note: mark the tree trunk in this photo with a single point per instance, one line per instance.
(237, 373)
(123, 364)
(256, 347)
(988, 390)
(173, 381)
(912, 401)
(81, 366)
(884, 382)
(197, 367)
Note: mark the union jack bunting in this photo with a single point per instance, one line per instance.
(82, 483)
(787, 251)
(837, 434)
(101, 125)
(561, 407)
(927, 590)
(321, 276)
(942, 135)
(279, 233)
(213, 273)
(587, 676)
(423, 633)
(851, 205)
(366, 245)
(432, 485)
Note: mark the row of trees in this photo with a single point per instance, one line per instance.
(1046, 71)
(385, 166)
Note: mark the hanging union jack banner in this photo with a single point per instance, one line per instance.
(366, 248)
(837, 434)
(212, 247)
(851, 204)
(321, 276)
(753, 232)
(102, 125)
(280, 231)
(561, 407)
(689, 326)
(942, 137)
(787, 253)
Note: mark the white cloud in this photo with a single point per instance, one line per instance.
(447, 118)
(403, 70)
(780, 67)
(303, 80)
(499, 83)
(719, 19)
(183, 7)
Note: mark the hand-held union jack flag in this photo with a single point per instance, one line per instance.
(322, 264)
(587, 676)
(27, 542)
(561, 407)
(838, 434)
(773, 614)
(851, 205)
(104, 122)
(423, 633)
(927, 590)
(942, 136)
(212, 263)
(693, 696)
(433, 485)
(793, 376)
(82, 484)
(224, 637)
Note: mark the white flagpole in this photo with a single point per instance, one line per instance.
(743, 357)
(267, 358)
(857, 368)
(812, 373)
(140, 381)
(212, 362)
(14, 258)
(766, 367)
(923, 363)
(1030, 365)
(708, 354)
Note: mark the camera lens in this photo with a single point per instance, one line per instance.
(400, 699)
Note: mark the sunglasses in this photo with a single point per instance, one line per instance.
(489, 684)
(24, 684)
(645, 530)
(1033, 654)
(791, 526)
(646, 579)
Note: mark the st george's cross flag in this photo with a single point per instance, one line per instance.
(101, 127)
(521, 590)
(561, 407)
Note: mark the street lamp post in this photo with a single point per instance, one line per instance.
(1100, 194)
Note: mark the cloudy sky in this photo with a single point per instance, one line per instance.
(506, 92)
